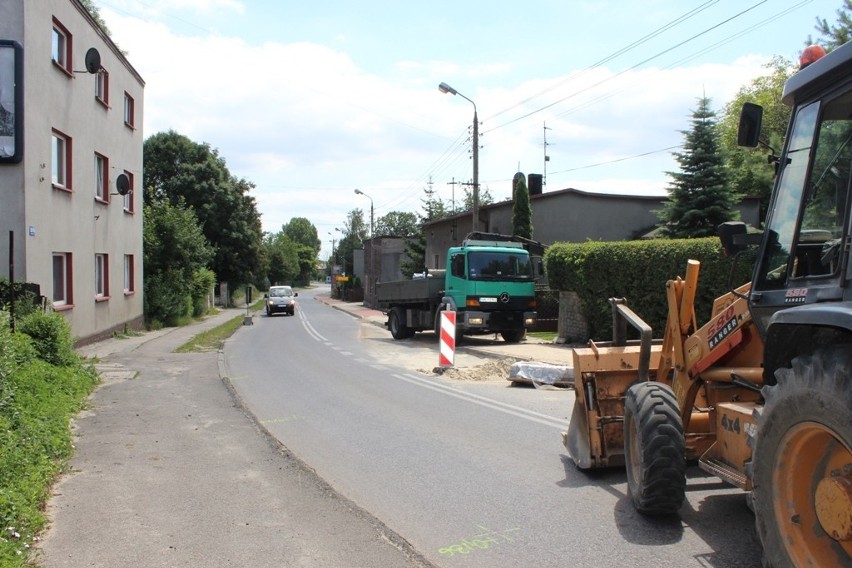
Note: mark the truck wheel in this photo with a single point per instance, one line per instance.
(513, 335)
(437, 325)
(802, 463)
(397, 328)
(654, 449)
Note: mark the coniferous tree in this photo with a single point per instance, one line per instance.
(834, 36)
(521, 209)
(415, 245)
(699, 196)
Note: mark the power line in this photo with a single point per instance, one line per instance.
(615, 161)
(610, 57)
(631, 68)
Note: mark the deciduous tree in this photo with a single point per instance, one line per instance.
(178, 170)
(749, 172)
(175, 255)
(397, 224)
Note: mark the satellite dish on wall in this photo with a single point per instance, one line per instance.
(122, 184)
(93, 61)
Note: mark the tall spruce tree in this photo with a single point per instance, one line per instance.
(699, 195)
(521, 209)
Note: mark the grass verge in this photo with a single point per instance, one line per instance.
(213, 339)
(545, 335)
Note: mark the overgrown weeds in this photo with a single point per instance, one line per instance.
(43, 384)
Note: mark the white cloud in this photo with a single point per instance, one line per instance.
(308, 125)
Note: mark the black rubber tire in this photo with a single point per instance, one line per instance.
(654, 449)
(398, 329)
(803, 436)
(513, 335)
(437, 326)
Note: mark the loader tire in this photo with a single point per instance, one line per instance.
(397, 326)
(802, 463)
(654, 449)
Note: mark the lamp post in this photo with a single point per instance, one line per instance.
(370, 279)
(339, 230)
(333, 258)
(359, 192)
(444, 88)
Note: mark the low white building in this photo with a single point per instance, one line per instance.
(70, 149)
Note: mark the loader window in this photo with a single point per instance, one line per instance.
(785, 206)
(809, 213)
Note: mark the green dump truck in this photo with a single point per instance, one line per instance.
(489, 281)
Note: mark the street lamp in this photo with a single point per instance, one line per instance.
(359, 192)
(444, 88)
(370, 276)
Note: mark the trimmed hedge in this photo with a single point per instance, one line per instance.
(638, 271)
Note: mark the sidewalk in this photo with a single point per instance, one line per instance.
(169, 471)
(530, 349)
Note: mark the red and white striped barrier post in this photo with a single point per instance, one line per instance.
(447, 340)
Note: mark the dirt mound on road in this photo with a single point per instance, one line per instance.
(496, 370)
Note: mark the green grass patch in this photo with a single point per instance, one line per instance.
(212, 339)
(545, 335)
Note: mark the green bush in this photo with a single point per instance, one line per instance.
(27, 299)
(167, 297)
(202, 284)
(638, 271)
(51, 336)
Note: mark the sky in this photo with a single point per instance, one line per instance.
(312, 100)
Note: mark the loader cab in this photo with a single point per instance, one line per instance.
(804, 254)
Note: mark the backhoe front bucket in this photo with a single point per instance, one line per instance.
(576, 439)
(602, 375)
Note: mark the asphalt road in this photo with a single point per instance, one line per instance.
(469, 473)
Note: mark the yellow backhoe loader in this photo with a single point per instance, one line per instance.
(761, 394)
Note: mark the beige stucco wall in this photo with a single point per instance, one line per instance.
(52, 220)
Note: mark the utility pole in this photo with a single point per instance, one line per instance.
(475, 169)
(444, 88)
(546, 157)
(453, 185)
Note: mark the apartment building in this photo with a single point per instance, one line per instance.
(71, 165)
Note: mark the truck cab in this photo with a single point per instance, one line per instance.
(489, 281)
(491, 285)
